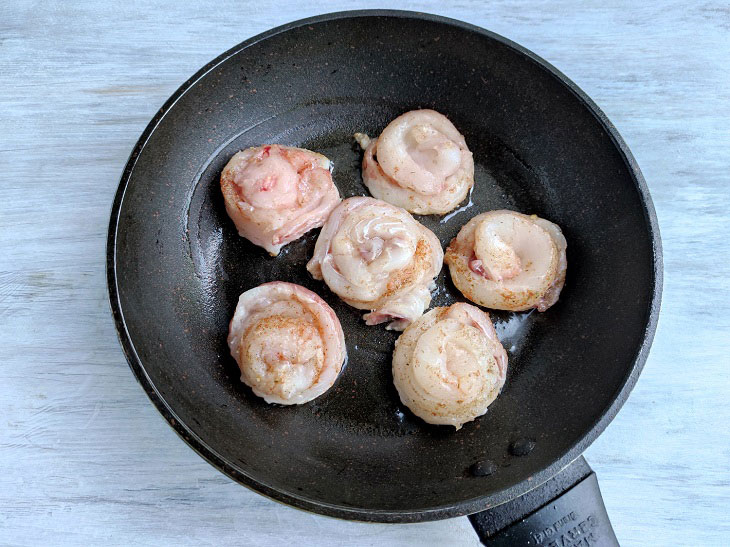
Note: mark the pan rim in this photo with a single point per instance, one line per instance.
(301, 501)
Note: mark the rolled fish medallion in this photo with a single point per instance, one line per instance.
(275, 194)
(508, 261)
(377, 257)
(449, 365)
(287, 341)
(420, 162)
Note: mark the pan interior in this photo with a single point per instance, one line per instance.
(538, 148)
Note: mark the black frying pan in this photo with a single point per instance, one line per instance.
(176, 268)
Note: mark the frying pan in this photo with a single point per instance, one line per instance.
(176, 267)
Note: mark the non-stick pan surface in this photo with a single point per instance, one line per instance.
(176, 265)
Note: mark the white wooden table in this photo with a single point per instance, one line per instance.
(84, 457)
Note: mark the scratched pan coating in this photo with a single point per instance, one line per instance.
(176, 265)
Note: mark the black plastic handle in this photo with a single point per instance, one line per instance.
(566, 511)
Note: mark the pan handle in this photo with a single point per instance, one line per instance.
(566, 510)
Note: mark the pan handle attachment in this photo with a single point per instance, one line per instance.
(566, 510)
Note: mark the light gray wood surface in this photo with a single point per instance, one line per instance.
(84, 457)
